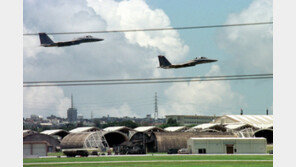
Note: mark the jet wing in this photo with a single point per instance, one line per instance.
(68, 43)
(182, 65)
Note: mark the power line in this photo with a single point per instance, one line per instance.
(154, 29)
(145, 82)
(148, 79)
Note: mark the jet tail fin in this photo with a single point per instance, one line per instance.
(44, 39)
(163, 61)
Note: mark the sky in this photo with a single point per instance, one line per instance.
(239, 50)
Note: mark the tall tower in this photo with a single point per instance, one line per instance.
(72, 112)
(155, 107)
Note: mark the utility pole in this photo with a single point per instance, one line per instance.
(266, 111)
(155, 107)
(242, 112)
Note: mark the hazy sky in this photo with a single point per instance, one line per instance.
(239, 50)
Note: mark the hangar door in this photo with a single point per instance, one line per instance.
(39, 149)
(27, 149)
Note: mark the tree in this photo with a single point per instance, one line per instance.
(97, 122)
(170, 122)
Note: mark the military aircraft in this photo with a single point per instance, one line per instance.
(164, 63)
(47, 42)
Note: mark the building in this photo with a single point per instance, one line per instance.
(227, 145)
(72, 113)
(35, 149)
(148, 129)
(84, 129)
(56, 133)
(207, 127)
(122, 129)
(74, 143)
(36, 144)
(258, 121)
(163, 141)
(176, 129)
(190, 119)
(258, 125)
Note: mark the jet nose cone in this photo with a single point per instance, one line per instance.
(98, 39)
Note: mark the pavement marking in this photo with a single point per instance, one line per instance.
(104, 162)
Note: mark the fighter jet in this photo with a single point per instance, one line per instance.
(164, 63)
(47, 42)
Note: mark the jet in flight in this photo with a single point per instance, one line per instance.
(164, 63)
(47, 42)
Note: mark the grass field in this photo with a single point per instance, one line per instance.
(165, 164)
(156, 160)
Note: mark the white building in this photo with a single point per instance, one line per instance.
(227, 145)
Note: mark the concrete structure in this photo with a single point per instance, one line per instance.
(258, 121)
(52, 144)
(190, 119)
(84, 129)
(176, 129)
(148, 129)
(227, 145)
(238, 127)
(56, 133)
(98, 140)
(207, 127)
(248, 125)
(163, 141)
(122, 129)
(28, 132)
(266, 133)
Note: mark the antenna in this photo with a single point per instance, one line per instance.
(155, 107)
(71, 101)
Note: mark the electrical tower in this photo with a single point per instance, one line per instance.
(155, 107)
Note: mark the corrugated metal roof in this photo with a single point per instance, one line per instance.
(252, 119)
(146, 128)
(235, 126)
(116, 128)
(81, 129)
(51, 132)
(204, 126)
(25, 131)
(174, 128)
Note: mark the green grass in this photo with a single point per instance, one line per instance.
(56, 154)
(167, 164)
(155, 157)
